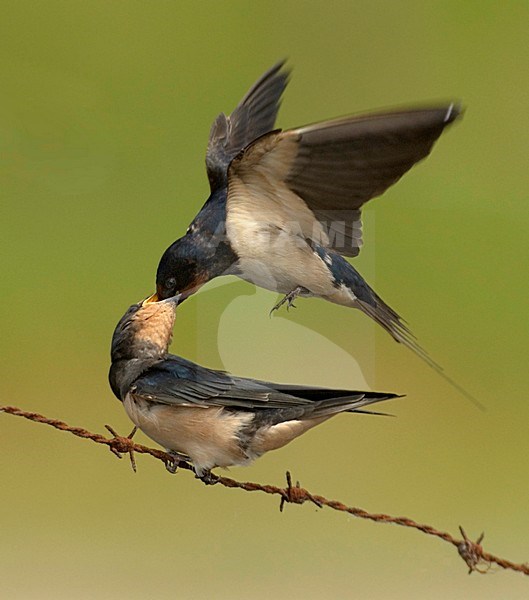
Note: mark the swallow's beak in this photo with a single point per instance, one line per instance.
(176, 299)
(153, 298)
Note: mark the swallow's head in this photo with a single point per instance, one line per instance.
(178, 271)
(145, 330)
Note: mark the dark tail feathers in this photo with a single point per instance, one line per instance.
(350, 402)
(385, 316)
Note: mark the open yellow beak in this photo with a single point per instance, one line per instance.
(153, 298)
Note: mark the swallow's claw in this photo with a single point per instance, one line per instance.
(174, 461)
(289, 298)
(208, 477)
(172, 466)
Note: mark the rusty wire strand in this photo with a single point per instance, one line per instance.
(471, 552)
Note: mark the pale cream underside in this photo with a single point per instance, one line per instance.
(268, 224)
(209, 435)
(206, 435)
(279, 435)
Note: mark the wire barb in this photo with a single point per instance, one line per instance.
(120, 445)
(471, 552)
(296, 494)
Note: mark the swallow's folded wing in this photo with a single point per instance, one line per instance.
(178, 382)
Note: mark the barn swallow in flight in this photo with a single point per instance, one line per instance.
(210, 417)
(285, 206)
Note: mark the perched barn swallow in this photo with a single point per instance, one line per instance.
(213, 418)
(286, 205)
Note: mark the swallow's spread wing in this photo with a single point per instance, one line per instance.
(179, 382)
(321, 175)
(254, 116)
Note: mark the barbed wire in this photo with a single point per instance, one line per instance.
(476, 558)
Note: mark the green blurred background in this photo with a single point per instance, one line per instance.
(105, 109)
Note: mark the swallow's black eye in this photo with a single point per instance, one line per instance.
(170, 283)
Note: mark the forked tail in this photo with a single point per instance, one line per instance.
(385, 316)
(352, 290)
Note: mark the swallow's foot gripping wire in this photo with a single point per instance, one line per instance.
(207, 477)
(174, 461)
